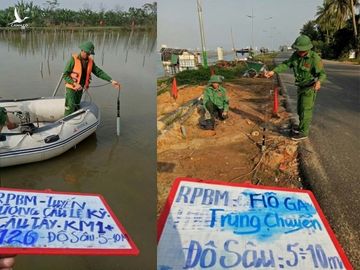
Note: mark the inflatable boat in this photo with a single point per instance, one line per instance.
(43, 132)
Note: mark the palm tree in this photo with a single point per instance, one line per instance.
(354, 15)
(336, 13)
(325, 21)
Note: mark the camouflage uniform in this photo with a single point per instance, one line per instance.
(215, 101)
(307, 70)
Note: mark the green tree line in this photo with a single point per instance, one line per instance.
(335, 29)
(52, 15)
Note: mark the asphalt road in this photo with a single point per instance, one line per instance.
(330, 157)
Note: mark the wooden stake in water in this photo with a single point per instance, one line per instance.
(118, 115)
(129, 40)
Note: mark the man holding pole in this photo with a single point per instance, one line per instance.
(309, 75)
(77, 76)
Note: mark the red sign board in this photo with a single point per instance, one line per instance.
(47, 222)
(219, 225)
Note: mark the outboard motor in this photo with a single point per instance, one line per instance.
(24, 117)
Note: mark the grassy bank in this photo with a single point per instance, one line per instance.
(267, 59)
(202, 75)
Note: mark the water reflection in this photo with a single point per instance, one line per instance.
(56, 44)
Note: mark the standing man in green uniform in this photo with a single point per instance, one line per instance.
(309, 75)
(215, 101)
(77, 75)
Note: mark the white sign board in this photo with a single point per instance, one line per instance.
(217, 225)
(46, 222)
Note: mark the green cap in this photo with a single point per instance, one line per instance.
(88, 47)
(215, 79)
(302, 43)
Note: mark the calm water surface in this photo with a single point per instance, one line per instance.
(122, 169)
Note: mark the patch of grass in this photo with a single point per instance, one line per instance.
(193, 76)
(202, 75)
(163, 81)
(267, 59)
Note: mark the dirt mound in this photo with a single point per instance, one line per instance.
(232, 152)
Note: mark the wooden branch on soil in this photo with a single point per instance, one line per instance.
(180, 115)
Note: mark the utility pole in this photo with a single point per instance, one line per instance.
(233, 43)
(202, 35)
(252, 28)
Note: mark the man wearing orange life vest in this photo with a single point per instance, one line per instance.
(77, 75)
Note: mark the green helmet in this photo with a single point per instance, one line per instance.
(302, 43)
(88, 47)
(215, 79)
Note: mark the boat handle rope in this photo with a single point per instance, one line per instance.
(19, 142)
(101, 85)
(42, 139)
(88, 94)
(94, 86)
(82, 118)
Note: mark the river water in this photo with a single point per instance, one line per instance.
(122, 169)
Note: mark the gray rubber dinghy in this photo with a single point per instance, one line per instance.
(43, 132)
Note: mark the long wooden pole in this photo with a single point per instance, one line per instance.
(202, 34)
(233, 43)
(58, 84)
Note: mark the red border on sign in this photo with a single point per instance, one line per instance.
(133, 251)
(166, 210)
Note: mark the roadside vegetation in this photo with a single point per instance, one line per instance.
(267, 59)
(51, 15)
(202, 75)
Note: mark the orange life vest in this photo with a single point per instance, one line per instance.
(77, 70)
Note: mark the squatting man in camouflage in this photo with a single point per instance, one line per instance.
(77, 76)
(309, 75)
(216, 103)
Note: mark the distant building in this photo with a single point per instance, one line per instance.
(176, 60)
(285, 48)
(245, 54)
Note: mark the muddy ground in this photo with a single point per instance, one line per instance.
(232, 152)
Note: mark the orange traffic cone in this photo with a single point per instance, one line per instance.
(174, 90)
(276, 101)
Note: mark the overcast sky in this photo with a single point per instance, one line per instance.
(78, 4)
(178, 24)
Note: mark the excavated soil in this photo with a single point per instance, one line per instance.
(232, 152)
